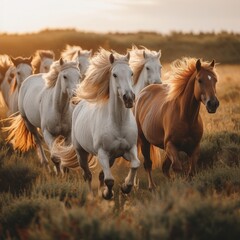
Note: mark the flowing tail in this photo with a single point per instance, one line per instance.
(18, 134)
(68, 155)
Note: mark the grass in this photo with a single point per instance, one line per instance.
(35, 204)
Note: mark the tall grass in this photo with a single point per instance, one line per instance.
(35, 204)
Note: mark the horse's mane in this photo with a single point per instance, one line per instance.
(19, 60)
(180, 73)
(70, 51)
(51, 77)
(95, 86)
(5, 64)
(137, 60)
(38, 56)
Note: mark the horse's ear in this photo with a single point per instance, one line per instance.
(212, 64)
(111, 58)
(90, 53)
(128, 56)
(144, 54)
(159, 54)
(198, 65)
(13, 60)
(79, 53)
(61, 61)
(30, 59)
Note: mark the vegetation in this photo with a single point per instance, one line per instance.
(224, 47)
(36, 204)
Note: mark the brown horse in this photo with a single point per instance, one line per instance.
(168, 115)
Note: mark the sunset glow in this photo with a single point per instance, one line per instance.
(120, 15)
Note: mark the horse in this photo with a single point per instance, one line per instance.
(44, 104)
(168, 115)
(42, 61)
(7, 74)
(77, 53)
(103, 123)
(146, 68)
(16, 70)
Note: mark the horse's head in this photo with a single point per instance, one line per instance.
(45, 64)
(205, 86)
(121, 78)
(23, 68)
(152, 68)
(83, 59)
(69, 76)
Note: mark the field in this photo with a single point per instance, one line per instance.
(36, 204)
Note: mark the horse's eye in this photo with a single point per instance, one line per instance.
(114, 75)
(18, 73)
(147, 68)
(132, 74)
(64, 76)
(200, 81)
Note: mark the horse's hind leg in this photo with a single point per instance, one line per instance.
(135, 163)
(82, 156)
(166, 166)
(37, 137)
(173, 155)
(107, 192)
(145, 147)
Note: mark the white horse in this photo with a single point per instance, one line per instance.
(103, 123)
(18, 70)
(7, 74)
(42, 61)
(77, 53)
(146, 68)
(44, 102)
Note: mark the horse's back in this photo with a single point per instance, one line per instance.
(149, 112)
(29, 98)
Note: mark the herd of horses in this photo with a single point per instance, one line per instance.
(107, 105)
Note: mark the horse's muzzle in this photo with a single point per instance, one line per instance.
(128, 99)
(212, 105)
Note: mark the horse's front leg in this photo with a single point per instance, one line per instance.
(193, 158)
(103, 158)
(49, 139)
(135, 163)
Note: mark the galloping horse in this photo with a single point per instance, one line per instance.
(77, 53)
(18, 69)
(168, 115)
(42, 61)
(44, 102)
(146, 68)
(103, 123)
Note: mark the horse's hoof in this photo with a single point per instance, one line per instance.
(106, 194)
(126, 189)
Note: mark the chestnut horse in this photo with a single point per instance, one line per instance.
(168, 115)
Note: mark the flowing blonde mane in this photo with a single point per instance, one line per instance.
(137, 60)
(5, 64)
(38, 56)
(181, 72)
(51, 77)
(69, 53)
(95, 86)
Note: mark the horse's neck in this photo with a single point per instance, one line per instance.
(118, 113)
(189, 106)
(140, 84)
(60, 99)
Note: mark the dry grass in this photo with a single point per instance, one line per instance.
(37, 205)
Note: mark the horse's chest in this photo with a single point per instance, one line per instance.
(60, 126)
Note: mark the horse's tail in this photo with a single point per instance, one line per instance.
(18, 134)
(68, 155)
(155, 155)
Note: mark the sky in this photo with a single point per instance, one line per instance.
(102, 16)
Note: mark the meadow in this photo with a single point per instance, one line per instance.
(36, 204)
